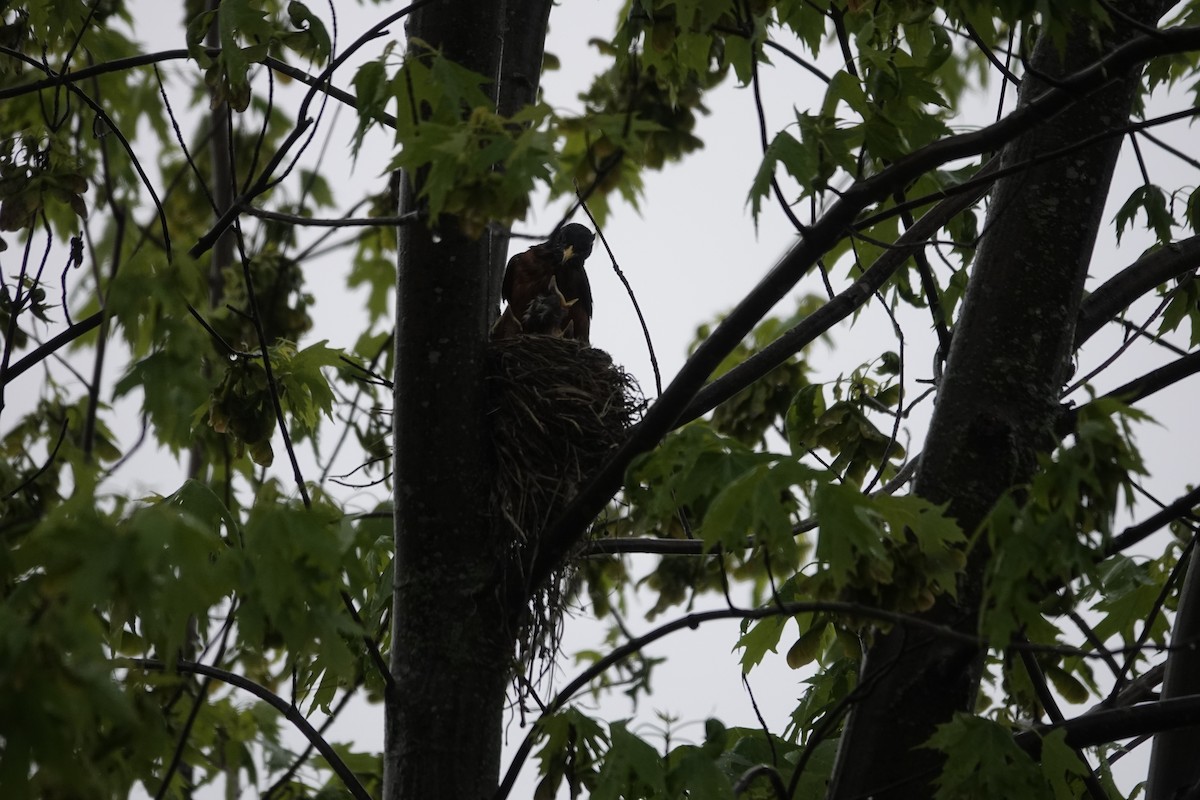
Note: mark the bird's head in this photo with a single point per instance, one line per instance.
(575, 241)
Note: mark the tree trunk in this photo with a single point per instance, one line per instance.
(996, 407)
(451, 642)
(1174, 768)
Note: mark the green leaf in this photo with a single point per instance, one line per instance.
(848, 533)
(1061, 766)
(695, 774)
(759, 638)
(760, 503)
(802, 418)
(319, 45)
(1192, 210)
(631, 767)
(173, 387)
(845, 88)
(1153, 201)
(303, 384)
(798, 160)
(372, 96)
(1067, 685)
(983, 760)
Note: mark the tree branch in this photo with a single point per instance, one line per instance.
(48, 347)
(1102, 727)
(1154, 523)
(1144, 275)
(289, 711)
(1157, 380)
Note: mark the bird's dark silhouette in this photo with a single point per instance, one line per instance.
(547, 288)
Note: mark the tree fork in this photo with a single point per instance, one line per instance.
(997, 405)
(452, 644)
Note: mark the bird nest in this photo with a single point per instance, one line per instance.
(558, 409)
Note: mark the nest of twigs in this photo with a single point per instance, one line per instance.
(557, 409)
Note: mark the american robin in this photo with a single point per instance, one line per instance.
(545, 275)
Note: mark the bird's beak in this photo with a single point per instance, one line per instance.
(568, 253)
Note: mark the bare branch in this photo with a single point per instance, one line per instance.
(343, 222)
(1144, 275)
(1103, 727)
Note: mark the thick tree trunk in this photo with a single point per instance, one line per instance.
(451, 643)
(996, 406)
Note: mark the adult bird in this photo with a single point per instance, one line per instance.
(528, 278)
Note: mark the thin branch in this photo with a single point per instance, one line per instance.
(343, 222)
(762, 722)
(1154, 381)
(1142, 276)
(18, 301)
(1168, 587)
(1095, 641)
(1021, 166)
(1125, 345)
(50, 459)
(1182, 156)
(747, 778)
(1000, 66)
(1134, 330)
(181, 744)
(264, 346)
(359, 391)
(1138, 690)
(929, 286)
(279, 783)
(289, 711)
(648, 545)
(1042, 689)
(1135, 533)
(885, 460)
(804, 64)
(372, 646)
(628, 290)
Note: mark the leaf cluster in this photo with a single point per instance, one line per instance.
(983, 759)
(1054, 530)
(587, 757)
(156, 578)
(247, 32)
(469, 161)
